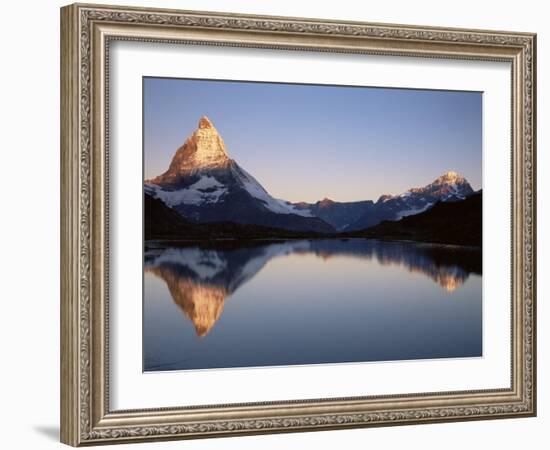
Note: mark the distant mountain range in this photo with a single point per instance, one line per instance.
(203, 185)
(349, 216)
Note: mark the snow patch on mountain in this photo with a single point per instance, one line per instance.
(206, 182)
(277, 206)
(413, 211)
(204, 191)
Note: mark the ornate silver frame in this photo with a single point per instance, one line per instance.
(86, 31)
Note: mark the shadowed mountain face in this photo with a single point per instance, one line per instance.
(200, 279)
(458, 223)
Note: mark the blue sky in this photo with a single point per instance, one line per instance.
(308, 142)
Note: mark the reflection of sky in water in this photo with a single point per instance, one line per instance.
(310, 302)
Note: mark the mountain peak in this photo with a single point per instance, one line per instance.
(204, 122)
(204, 149)
(449, 186)
(450, 177)
(326, 202)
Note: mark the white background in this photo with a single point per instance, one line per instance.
(30, 223)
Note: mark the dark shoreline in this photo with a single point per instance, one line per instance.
(439, 253)
(232, 242)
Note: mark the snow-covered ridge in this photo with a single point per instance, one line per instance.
(206, 190)
(413, 211)
(447, 186)
(275, 205)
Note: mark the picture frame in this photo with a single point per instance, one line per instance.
(87, 33)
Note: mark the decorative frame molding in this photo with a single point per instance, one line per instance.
(86, 31)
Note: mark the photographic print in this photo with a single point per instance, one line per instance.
(302, 210)
(295, 224)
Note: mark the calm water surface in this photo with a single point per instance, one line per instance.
(309, 302)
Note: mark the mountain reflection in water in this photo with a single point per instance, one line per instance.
(200, 279)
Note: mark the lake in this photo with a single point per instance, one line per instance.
(235, 304)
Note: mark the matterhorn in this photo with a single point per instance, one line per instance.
(204, 184)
